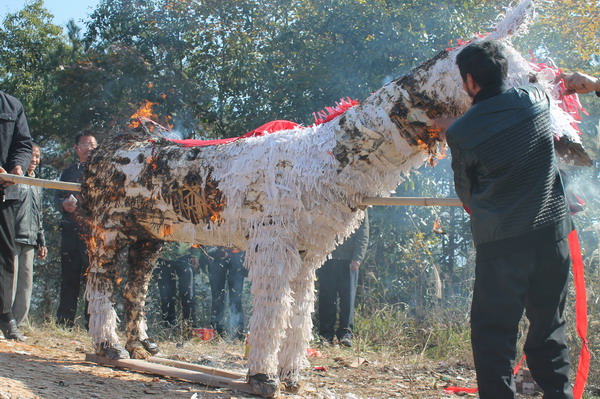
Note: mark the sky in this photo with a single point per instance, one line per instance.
(63, 10)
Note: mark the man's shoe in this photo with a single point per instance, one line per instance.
(325, 341)
(264, 385)
(11, 331)
(346, 340)
(292, 386)
(150, 346)
(113, 351)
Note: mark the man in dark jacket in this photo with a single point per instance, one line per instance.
(15, 156)
(339, 277)
(73, 251)
(29, 238)
(506, 174)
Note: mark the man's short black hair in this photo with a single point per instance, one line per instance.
(83, 134)
(485, 61)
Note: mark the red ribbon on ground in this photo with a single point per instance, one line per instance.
(474, 390)
(581, 323)
(460, 390)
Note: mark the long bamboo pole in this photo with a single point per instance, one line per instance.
(416, 201)
(33, 181)
(375, 201)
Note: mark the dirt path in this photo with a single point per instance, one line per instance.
(50, 365)
(31, 371)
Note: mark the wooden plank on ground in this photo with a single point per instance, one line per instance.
(197, 367)
(173, 372)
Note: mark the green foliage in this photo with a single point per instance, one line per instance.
(582, 37)
(99, 89)
(28, 46)
(392, 328)
(31, 50)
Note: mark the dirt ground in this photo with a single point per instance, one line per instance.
(50, 364)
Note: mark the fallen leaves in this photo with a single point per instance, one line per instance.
(354, 362)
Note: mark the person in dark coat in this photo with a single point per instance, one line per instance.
(15, 157)
(338, 278)
(29, 239)
(73, 250)
(506, 175)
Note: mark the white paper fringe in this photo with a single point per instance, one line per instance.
(289, 202)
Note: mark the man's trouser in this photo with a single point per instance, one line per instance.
(229, 271)
(336, 279)
(169, 273)
(74, 263)
(23, 284)
(536, 281)
(7, 257)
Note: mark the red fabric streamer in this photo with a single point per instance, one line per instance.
(474, 390)
(274, 126)
(331, 112)
(460, 390)
(568, 103)
(581, 318)
(518, 366)
(461, 42)
(270, 127)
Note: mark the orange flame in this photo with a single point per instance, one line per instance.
(437, 226)
(215, 217)
(432, 146)
(166, 230)
(433, 132)
(150, 161)
(145, 111)
(168, 120)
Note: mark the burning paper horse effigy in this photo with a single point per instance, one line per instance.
(285, 198)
